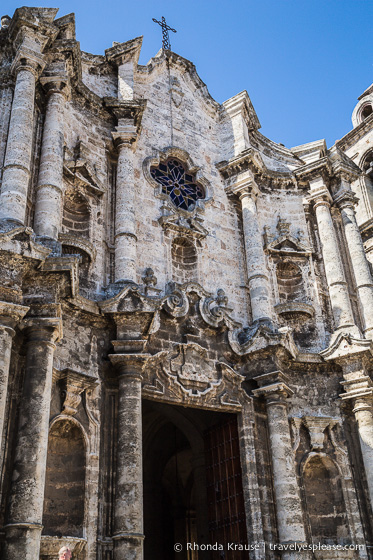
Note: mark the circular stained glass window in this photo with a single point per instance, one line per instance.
(178, 184)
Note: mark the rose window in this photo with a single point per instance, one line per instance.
(178, 184)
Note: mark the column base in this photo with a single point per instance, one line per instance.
(22, 540)
(7, 224)
(128, 546)
(51, 244)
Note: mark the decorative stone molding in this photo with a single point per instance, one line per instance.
(73, 384)
(297, 308)
(186, 375)
(316, 426)
(79, 172)
(284, 243)
(81, 243)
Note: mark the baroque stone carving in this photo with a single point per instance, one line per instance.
(185, 374)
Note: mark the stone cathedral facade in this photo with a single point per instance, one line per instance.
(186, 315)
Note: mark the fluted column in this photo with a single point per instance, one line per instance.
(128, 534)
(274, 388)
(49, 193)
(10, 315)
(125, 219)
(335, 276)
(363, 278)
(24, 520)
(17, 163)
(257, 273)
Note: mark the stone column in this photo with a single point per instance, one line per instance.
(128, 534)
(17, 163)
(24, 520)
(125, 218)
(335, 276)
(250, 484)
(49, 193)
(274, 388)
(359, 389)
(10, 315)
(363, 278)
(257, 273)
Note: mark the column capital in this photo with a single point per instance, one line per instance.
(56, 84)
(129, 365)
(273, 387)
(125, 133)
(360, 388)
(27, 59)
(319, 196)
(43, 329)
(345, 197)
(245, 186)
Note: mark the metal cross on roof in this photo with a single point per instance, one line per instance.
(165, 29)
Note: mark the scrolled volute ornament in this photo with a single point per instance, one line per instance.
(214, 309)
(177, 302)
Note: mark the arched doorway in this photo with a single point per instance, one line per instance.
(192, 485)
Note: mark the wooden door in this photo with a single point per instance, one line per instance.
(226, 507)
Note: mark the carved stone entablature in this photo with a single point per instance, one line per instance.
(176, 219)
(80, 172)
(73, 384)
(186, 375)
(251, 160)
(284, 242)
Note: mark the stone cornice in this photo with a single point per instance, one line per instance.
(241, 104)
(321, 167)
(120, 53)
(251, 160)
(355, 134)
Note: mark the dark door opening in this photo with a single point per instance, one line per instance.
(192, 484)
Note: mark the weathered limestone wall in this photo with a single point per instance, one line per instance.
(273, 323)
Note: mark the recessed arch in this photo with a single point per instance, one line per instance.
(326, 508)
(64, 497)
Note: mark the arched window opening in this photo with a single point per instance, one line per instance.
(76, 215)
(290, 282)
(63, 513)
(366, 111)
(184, 260)
(325, 503)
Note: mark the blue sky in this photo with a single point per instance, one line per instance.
(303, 62)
